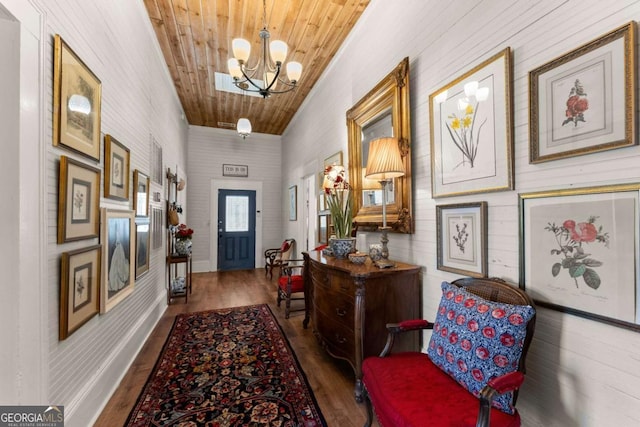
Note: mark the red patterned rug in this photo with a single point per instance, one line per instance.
(230, 367)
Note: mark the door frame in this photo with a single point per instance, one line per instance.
(232, 184)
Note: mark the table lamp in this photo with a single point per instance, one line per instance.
(383, 164)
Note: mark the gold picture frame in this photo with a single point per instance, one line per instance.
(585, 100)
(471, 122)
(118, 239)
(78, 201)
(79, 288)
(77, 95)
(116, 169)
(141, 183)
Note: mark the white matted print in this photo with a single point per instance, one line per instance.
(462, 238)
(579, 251)
(118, 239)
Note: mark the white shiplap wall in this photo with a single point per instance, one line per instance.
(580, 372)
(208, 150)
(117, 42)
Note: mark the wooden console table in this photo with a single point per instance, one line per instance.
(351, 304)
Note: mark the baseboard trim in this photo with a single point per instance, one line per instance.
(91, 399)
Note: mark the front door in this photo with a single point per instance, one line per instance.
(236, 229)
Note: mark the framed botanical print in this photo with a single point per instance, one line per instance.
(579, 251)
(143, 238)
(293, 203)
(462, 238)
(141, 193)
(77, 96)
(472, 130)
(79, 288)
(78, 201)
(584, 101)
(118, 256)
(116, 169)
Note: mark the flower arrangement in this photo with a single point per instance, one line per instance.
(339, 199)
(183, 232)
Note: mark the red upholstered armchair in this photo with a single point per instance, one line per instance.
(277, 257)
(474, 365)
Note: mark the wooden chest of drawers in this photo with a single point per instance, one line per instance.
(351, 304)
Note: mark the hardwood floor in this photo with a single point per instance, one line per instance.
(332, 380)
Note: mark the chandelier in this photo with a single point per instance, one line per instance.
(265, 78)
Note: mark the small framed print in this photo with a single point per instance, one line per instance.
(118, 256)
(323, 228)
(293, 203)
(79, 288)
(584, 101)
(334, 159)
(462, 238)
(116, 169)
(579, 251)
(78, 201)
(143, 237)
(235, 170)
(77, 96)
(141, 193)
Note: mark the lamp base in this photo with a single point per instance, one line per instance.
(384, 263)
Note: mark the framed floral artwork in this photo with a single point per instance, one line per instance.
(77, 94)
(118, 239)
(116, 169)
(579, 251)
(462, 238)
(584, 101)
(79, 288)
(472, 130)
(78, 201)
(143, 238)
(141, 184)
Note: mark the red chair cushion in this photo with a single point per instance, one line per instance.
(297, 284)
(408, 390)
(285, 246)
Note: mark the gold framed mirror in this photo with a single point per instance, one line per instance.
(384, 111)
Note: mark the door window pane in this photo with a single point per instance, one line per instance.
(237, 214)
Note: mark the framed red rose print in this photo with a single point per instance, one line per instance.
(584, 101)
(579, 251)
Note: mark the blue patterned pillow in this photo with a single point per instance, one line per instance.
(475, 340)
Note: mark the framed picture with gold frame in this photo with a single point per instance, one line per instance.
(118, 239)
(77, 94)
(78, 201)
(116, 169)
(79, 288)
(141, 184)
(472, 130)
(584, 101)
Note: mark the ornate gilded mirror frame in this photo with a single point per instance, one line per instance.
(389, 97)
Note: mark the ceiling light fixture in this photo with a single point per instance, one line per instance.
(265, 76)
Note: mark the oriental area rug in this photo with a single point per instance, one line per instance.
(229, 367)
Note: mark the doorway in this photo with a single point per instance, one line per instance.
(236, 229)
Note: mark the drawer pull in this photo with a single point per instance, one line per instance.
(341, 312)
(340, 339)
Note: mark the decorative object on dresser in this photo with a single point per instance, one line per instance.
(351, 304)
(474, 366)
(384, 164)
(472, 130)
(340, 201)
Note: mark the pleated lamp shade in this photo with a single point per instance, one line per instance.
(385, 161)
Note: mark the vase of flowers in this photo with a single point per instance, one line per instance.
(183, 236)
(340, 202)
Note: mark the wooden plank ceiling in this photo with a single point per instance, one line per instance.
(195, 37)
